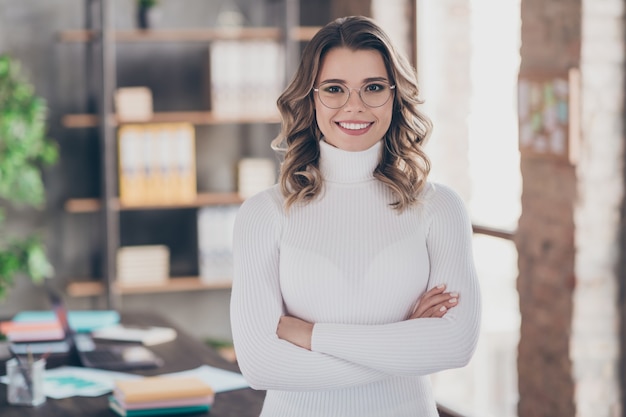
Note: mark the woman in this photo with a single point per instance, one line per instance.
(354, 277)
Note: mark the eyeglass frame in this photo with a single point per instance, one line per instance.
(391, 88)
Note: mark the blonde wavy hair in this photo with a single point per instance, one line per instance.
(403, 166)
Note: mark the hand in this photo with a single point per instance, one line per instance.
(434, 303)
(296, 331)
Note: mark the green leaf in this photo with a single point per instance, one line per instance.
(147, 3)
(38, 266)
(9, 265)
(24, 150)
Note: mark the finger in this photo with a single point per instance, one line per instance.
(441, 299)
(436, 290)
(426, 305)
(439, 309)
(428, 302)
(433, 291)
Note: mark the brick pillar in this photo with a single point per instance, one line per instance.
(545, 237)
(545, 243)
(569, 232)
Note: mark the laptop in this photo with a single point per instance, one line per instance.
(83, 349)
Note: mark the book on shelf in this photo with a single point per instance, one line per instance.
(246, 76)
(215, 242)
(147, 335)
(157, 164)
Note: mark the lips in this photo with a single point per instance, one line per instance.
(354, 125)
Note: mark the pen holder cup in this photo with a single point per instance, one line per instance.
(25, 382)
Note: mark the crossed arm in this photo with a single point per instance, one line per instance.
(432, 304)
(282, 352)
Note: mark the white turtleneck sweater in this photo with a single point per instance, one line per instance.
(355, 267)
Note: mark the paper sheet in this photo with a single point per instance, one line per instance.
(72, 381)
(219, 379)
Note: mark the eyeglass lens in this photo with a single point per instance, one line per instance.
(335, 95)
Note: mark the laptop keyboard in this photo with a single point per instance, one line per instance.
(100, 356)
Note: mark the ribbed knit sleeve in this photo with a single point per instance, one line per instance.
(257, 305)
(421, 346)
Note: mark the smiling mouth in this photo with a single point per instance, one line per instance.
(354, 126)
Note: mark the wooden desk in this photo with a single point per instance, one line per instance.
(186, 352)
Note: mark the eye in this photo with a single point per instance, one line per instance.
(333, 88)
(375, 88)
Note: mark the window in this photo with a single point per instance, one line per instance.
(487, 387)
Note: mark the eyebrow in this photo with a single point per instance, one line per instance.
(365, 81)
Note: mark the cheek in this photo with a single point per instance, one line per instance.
(322, 118)
(389, 119)
(385, 118)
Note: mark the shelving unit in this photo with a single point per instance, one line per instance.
(197, 118)
(178, 284)
(92, 205)
(174, 35)
(103, 38)
(192, 35)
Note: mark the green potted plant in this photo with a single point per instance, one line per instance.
(24, 151)
(146, 13)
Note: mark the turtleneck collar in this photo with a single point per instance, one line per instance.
(338, 165)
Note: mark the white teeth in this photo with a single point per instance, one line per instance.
(354, 126)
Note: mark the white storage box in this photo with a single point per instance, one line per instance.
(143, 265)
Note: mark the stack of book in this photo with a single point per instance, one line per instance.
(16, 331)
(157, 395)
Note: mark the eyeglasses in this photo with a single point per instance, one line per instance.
(373, 94)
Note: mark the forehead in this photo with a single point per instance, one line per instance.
(352, 65)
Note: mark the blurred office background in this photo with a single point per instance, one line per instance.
(527, 100)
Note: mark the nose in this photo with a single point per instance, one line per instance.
(354, 101)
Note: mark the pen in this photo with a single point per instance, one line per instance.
(24, 371)
(29, 352)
